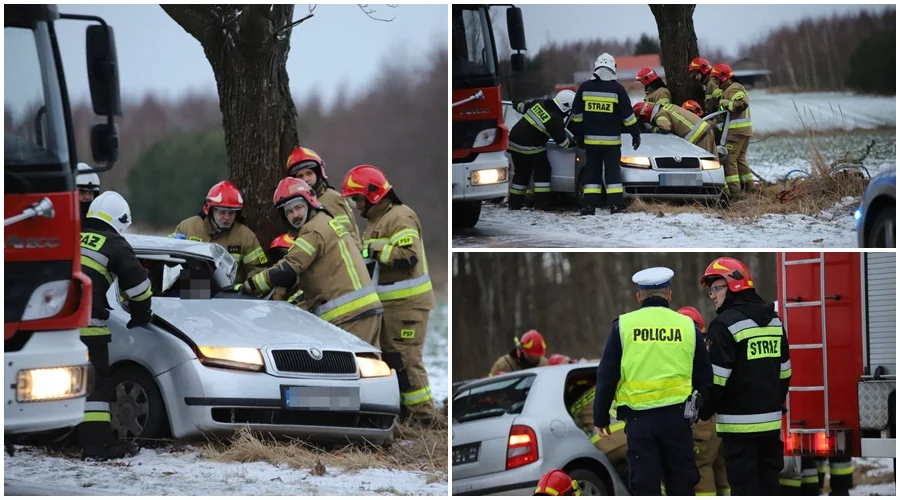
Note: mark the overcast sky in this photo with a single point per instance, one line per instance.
(727, 26)
(339, 44)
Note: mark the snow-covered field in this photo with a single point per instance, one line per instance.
(158, 472)
(881, 467)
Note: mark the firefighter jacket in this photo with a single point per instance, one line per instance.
(541, 120)
(393, 237)
(105, 257)
(238, 240)
(339, 208)
(600, 112)
(654, 358)
(735, 99)
(292, 293)
(336, 285)
(660, 95)
(751, 366)
(512, 362)
(681, 122)
(713, 94)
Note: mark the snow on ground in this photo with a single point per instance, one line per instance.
(436, 352)
(154, 472)
(881, 467)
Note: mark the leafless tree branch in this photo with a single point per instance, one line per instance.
(370, 12)
(312, 9)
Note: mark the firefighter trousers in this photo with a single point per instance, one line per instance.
(603, 177)
(95, 430)
(661, 450)
(841, 472)
(367, 328)
(710, 457)
(524, 166)
(402, 340)
(737, 171)
(799, 477)
(753, 462)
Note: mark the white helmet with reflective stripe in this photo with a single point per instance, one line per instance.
(87, 181)
(605, 61)
(111, 208)
(564, 100)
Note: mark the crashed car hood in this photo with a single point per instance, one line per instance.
(253, 323)
(663, 145)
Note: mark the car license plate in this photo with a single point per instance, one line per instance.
(466, 454)
(321, 398)
(681, 180)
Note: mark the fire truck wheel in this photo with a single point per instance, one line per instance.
(589, 483)
(466, 214)
(138, 411)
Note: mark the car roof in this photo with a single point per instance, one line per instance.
(144, 243)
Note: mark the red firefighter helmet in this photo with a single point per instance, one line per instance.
(223, 195)
(301, 158)
(693, 106)
(559, 359)
(643, 111)
(557, 483)
(367, 181)
(700, 64)
(722, 71)
(694, 314)
(646, 76)
(282, 241)
(290, 188)
(532, 343)
(734, 271)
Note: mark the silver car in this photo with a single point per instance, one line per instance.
(212, 362)
(665, 166)
(510, 429)
(877, 214)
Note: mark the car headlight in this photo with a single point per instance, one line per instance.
(635, 161)
(51, 384)
(370, 368)
(488, 176)
(710, 164)
(47, 300)
(485, 138)
(237, 358)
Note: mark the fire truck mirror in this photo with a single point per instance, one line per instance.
(515, 28)
(103, 70)
(517, 61)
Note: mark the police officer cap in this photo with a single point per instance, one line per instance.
(653, 278)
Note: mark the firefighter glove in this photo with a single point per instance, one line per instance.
(636, 141)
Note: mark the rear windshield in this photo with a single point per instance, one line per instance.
(492, 399)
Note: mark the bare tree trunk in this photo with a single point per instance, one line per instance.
(814, 81)
(679, 45)
(790, 67)
(248, 56)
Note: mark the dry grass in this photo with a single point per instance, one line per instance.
(861, 475)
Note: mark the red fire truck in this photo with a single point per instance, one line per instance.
(47, 297)
(480, 169)
(839, 310)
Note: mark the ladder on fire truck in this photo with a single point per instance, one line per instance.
(822, 345)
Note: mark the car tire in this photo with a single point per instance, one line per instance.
(466, 214)
(883, 222)
(589, 483)
(137, 409)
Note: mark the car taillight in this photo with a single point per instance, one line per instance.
(522, 448)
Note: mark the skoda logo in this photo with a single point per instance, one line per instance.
(316, 354)
(678, 159)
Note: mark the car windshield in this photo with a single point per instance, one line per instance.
(492, 399)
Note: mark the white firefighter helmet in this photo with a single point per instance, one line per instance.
(564, 100)
(111, 208)
(87, 181)
(605, 61)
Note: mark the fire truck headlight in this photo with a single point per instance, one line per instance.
(47, 300)
(485, 138)
(488, 176)
(51, 384)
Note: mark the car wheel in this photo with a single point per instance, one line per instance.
(589, 483)
(881, 232)
(466, 214)
(138, 410)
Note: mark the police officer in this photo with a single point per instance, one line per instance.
(106, 256)
(556, 483)
(542, 119)
(337, 286)
(710, 455)
(751, 374)
(88, 184)
(528, 353)
(600, 111)
(653, 361)
(219, 222)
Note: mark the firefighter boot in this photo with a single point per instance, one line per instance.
(113, 451)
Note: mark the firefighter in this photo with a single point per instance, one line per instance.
(710, 456)
(306, 164)
(528, 353)
(88, 184)
(669, 118)
(798, 477)
(542, 119)
(277, 251)
(751, 375)
(601, 109)
(393, 237)
(337, 287)
(653, 361)
(105, 257)
(694, 107)
(702, 72)
(738, 177)
(582, 391)
(219, 222)
(655, 90)
(841, 470)
(557, 483)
